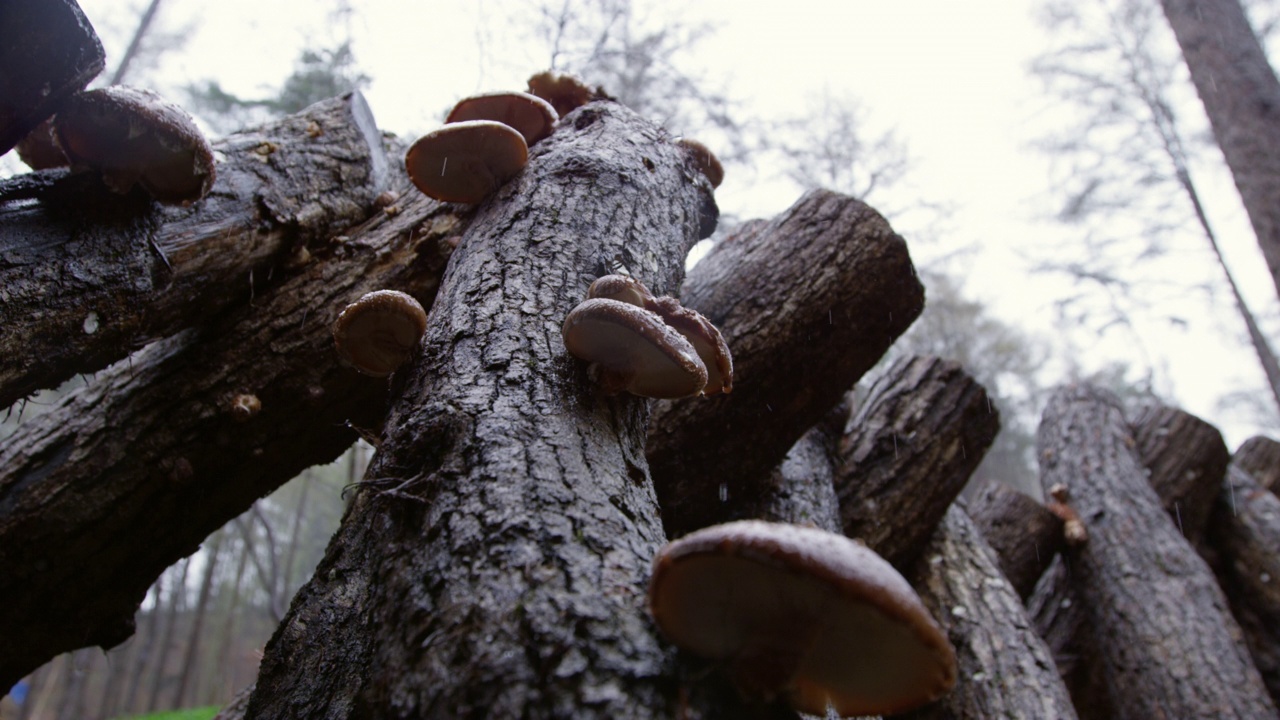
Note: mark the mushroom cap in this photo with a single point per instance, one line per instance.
(528, 114)
(801, 611)
(133, 136)
(39, 150)
(704, 159)
(623, 288)
(705, 338)
(636, 350)
(566, 92)
(465, 161)
(377, 333)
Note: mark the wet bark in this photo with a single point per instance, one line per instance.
(910, 449)
(1004, 669)
(1245, 534)
(130, 473)
(1260, 457)
(127, 270)
(494, 561)
(1166, 642)
(1187, 460)
(1241, 96)
(1023, 533)
(48, 51)
(808, 302)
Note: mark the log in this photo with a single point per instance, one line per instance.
(129, 271)
(1187, 460)
(128, 474)
(808, 302)
(800, 490)
(910, 449)
(1004, 669)
(1245, 533)
(1260, 457)
(494, 561)
(1023, 533)
(48, 52)
(1166, 642)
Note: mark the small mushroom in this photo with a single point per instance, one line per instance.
(134, 136)
(801, 613)
(704, 160)
(377, 333)
(622, 288)
(632, 349)
(39, 150)
(465, 161)
(566, 92)
(529, 115)
(705, 338)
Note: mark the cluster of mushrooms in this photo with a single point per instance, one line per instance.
(128, 136)
(645, 345)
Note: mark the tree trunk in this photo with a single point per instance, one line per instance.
(1004, 669)
(1167, 644)
(177, 600)
(1187, 460)
(133, 471)
(127, 273)
(1260, 457)
(911, 448)
(181, 695)
(147, 638)
(495, 558)
(1241, 96)
(1245, 532)
(808, 302)
(1023, 533)
(801, 490)
(49, 52)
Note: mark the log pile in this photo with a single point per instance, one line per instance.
(496, 554)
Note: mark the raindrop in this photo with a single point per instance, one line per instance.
(724, 492)
(444, 165)
(91, 323)
(1265, 577)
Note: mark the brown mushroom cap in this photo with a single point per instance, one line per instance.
(622, 288)
(529, 115)
(135, 136)
(634, 350)
(465, 161)
(704, 159)
(802, 612)
(377, 333)
(565, 92)
(705, 338)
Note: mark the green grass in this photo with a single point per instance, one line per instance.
(204, 713)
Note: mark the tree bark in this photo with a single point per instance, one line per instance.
(495, 558)
(126, 272)
(1167, 644)
(807, 302)
(48, 52)
(1024, 535)
(1241, 96)
(1187, 460)
(130, 473)
(1004, 669)
(1260, 457)
(911, 448)
(1245, 532)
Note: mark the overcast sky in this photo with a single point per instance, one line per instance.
(950, 78)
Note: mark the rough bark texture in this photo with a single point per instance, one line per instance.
(48, 51)
(1004, 668)
(909, 451)
(1186, 458)
(494, 561)
(1260, 457)
(1058, 614)
(127, 270)
(1241, 96)
(1023, 533)
(130, 473)
(1167, 643)
(808, 302)
(1245, 532)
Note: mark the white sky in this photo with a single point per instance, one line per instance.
(949, 77)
